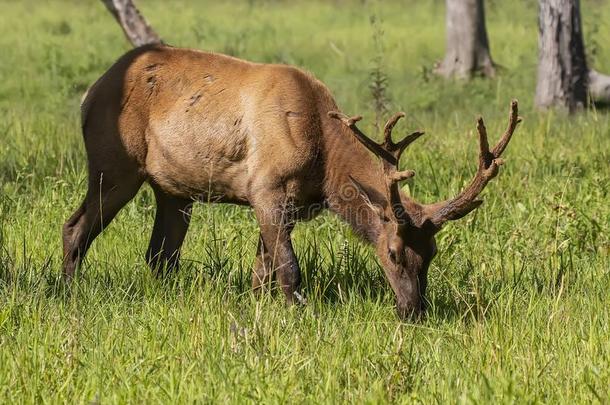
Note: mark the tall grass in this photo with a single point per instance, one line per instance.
(519, 290)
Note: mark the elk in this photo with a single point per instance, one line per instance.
(209, 127)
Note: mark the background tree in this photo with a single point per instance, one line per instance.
(134, 25)
(467, 47)
(564, 79)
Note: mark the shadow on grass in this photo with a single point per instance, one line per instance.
(331, 275)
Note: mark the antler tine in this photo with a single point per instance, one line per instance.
(485, 156)
(397, 148)
(408, 140)
(389, 126)
(489, 164)
(513, 120)
(401, 176)
(350, 122)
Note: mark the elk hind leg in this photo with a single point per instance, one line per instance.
(105, 198)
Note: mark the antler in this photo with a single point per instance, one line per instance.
(489, 164)
(389, 152)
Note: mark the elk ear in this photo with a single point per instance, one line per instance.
(369, 195)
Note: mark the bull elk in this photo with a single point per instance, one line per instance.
(209, 127)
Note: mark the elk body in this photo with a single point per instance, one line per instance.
(209, 127)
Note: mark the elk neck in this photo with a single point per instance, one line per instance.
(346, 157)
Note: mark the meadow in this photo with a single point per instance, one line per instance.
(519, 293)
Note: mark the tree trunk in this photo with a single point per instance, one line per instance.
(135, 27)
(467, 50)
(562, 65)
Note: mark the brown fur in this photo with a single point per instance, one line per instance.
(210, 127)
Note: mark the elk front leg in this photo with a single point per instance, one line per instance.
(262, 274)
(278, 252)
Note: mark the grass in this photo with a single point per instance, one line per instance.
(519, 291)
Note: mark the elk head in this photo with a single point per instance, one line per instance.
(406, 243)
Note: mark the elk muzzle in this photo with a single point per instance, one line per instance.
(410, 302)
(410, 311)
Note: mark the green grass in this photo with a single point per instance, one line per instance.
(519, 291)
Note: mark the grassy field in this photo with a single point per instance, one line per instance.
(519, 292)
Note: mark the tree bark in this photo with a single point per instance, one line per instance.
(467, 50)
(134, 25)
(562, 65)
